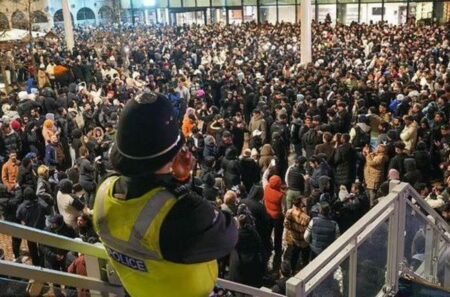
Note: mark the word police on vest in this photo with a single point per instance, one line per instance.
(127, 261)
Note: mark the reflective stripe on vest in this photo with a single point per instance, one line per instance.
(133, 246)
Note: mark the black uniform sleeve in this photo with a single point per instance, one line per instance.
(194, 232)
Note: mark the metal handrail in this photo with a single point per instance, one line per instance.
(346, 245)
(308, 272)
(44, 275)
(97, 251)
(51, 239)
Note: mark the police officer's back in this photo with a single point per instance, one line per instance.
(161, 237)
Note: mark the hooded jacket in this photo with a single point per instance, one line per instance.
(273, 197)
(32, 212)
(258, 210)
(412, 174)
(232, 169)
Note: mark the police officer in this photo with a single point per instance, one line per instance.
(161, 238)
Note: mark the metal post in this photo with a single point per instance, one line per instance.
(242, 11)
(278, 11)
(353, 270)
(132, 12)
(407, 11)
(305, 38)
(258, 17)
(430, 260)
(359, 11)
(68, 28)
(382, 11)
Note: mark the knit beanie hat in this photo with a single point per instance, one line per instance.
(15, 125)
(148, 135)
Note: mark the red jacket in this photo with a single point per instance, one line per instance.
(273, 197)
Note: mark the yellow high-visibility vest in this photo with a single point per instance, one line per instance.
(129, 230)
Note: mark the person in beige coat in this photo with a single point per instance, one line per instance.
(374, 170)
(257, 122)
(409, 133)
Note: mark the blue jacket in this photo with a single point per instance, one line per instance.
(50, 155)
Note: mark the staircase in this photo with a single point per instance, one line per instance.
(401, 239)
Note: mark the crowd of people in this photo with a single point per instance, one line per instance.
(297, 153)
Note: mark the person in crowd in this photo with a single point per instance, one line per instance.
(285, 274)
(32, 213)
(321, 231)
(374, 171)
(246, 262)
(250, 171)
(10, 172)
(295, 222)
(230, 203)
(243, 86)
(273, 201)
(156, 175)
(69, 206)
(295, 181)
(262, 220)
(55, 258)
(344, 158)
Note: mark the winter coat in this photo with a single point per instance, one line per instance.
(27, 177)
(273, 197)
(258, 123)
(325, 148)
(409, 136)
(295, 223)
(397, 163)
(32, 213)
(231, 169)
(50, 158)
(49, 105)
(412, 174)
(210, 150)
(258, 210)
(12, 143)
(187, 127)
(423, 163)
(67, 210)
(249, 172)
(374, 170)
(309, 141)
(246, 262)
(49, 252)
(266, 157)
(10, 174)
(44, 191)
(345, 164)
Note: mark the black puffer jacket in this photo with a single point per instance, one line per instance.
(250, 172)
(423, 163)
(231, 168)
(345, 164)
(246, 262)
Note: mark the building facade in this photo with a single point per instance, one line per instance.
(46, 13)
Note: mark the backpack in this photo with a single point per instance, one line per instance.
(361, 138)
